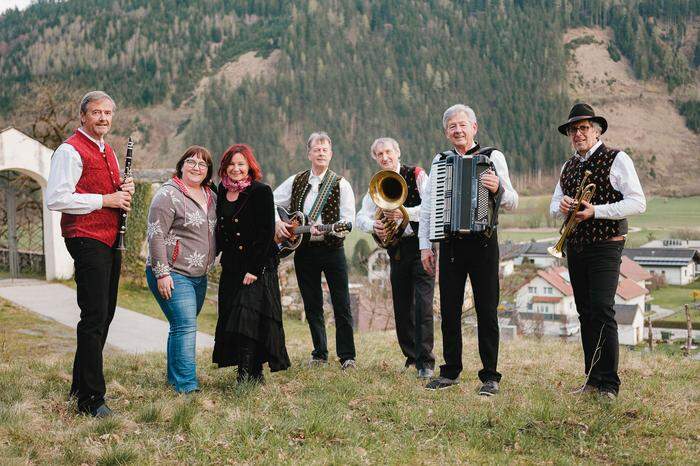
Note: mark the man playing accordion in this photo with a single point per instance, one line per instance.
(473, 255)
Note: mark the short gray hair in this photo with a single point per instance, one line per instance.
(379, 141)
(597, 127)
(454, 110)
(94, 96)
(318, 136)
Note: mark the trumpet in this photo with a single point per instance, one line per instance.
(584, 192)
(388, 190)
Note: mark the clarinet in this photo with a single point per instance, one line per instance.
(123, 213)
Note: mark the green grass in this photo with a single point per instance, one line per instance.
(662, 215)
(375, 414)
(519, 236)
(669, 213)
(675, 296)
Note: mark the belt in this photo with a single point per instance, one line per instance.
(616, 238)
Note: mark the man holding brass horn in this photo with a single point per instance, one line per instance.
(397, 188)
(85, 186)
(594, 246)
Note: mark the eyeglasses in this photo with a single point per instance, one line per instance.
(571, 130)
(195, 163)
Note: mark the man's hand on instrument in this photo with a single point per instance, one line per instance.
(128, 185)
(166, 287)
(490, 180)
(566, 204)
(315, 231)
(249, 278)
(283, 229)
(427, 257)
(379, 229)
(586, 213)
(118, 200)
(395, 215)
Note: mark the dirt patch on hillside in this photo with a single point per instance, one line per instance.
(159, 136)
(642, 117)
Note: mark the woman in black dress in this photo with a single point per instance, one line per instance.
(249, 331)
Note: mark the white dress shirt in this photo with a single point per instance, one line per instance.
(623, 177)
(509, 200)
(365, 217)
(283, 198)
(66, 170)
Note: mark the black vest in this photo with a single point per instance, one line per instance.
(413, 198)
(599, 163)
(331, 211)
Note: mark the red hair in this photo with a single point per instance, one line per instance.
(245, 150)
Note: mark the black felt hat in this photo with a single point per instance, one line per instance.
(580, 112)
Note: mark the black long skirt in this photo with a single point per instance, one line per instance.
(250, 312)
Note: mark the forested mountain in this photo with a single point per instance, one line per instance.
(357, 69)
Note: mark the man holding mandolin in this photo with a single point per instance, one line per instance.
(325, 198)
(594, 246)
(411, 286)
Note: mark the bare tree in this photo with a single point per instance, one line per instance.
(48, 112)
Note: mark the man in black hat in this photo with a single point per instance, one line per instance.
(594, 247)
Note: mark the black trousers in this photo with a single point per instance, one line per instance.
(310, 262)
(594, 271)
(412, 292)
(97, 268)
(477, 257)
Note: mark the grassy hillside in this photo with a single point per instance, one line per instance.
(376, 414)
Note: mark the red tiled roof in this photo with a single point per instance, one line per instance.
(553, 277)
(630, 269)
(628, 289)
(546, 299)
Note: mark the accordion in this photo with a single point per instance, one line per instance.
(459, 203)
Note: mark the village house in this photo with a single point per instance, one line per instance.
(550, 297)
(678, 266)
(635, 272)
(629, 292)
(536, 253)
(630, 324)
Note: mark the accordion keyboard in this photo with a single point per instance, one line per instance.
(438, 188)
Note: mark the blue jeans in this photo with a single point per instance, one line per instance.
(181, 310)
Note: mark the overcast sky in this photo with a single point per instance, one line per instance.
(7, 4)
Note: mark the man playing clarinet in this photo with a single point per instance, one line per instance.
(473, 255)
(411, 286)
(85, 186)
(594, 247)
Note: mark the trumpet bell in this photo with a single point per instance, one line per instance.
(555, 252)
(388, 189)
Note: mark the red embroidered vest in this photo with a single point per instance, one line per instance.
(100, 176)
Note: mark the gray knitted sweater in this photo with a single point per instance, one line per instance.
(180, 232)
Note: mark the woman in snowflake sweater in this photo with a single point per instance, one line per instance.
(181, 250)
(249, 331)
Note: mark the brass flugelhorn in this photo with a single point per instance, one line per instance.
(388, 190)
(584, 192)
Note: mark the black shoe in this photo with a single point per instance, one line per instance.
(317, 362)
(441, 383)
(348, 364)
(100, 412)
(584, 390)
(489, 388)
(607, 394)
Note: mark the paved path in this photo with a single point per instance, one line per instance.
(130, 331)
